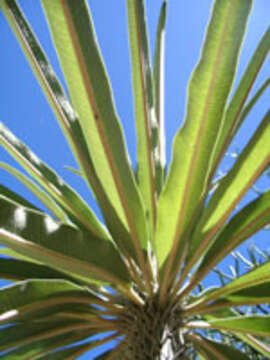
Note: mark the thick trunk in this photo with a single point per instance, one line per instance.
(153, 333)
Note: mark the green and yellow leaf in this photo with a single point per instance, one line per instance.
(208, 91)
(91, 96)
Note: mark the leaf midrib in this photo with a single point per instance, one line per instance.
(147, 115)
(100, 128)
(195, 153)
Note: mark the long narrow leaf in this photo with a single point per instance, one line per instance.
(248, 167)
(257, 294)
(42, 348)
(193, 146)
(256, 344)
(252, 102)
(22, 335)
(254, 325)
(214, 350)
(37, 191)
(146, 122)
(75, 351)
(13, 269)
(47, 79)
(233, 118)
(7, 252)
(91, 96)
(158, 77)
(66, 116)
(253, 295)
(58, 245)
(29, 292)
(258, 276)
(51, 182)
(246, 222)
(4, 191)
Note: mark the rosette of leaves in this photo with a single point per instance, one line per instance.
(127, 279)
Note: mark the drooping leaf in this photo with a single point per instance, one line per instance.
(144, 107)
(194, 143)
(91, 96)
(61, 246)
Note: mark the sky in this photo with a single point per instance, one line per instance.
(24, 109)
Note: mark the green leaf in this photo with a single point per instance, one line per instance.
(208, 91)
(158, 77)
(50, 84)
(13, 254)
(17, 198)
(201, 357)
(47, 79)
(254, 325)
(75, 171)
(66, 116)
(144, 107)
(111, 354)
(29, 333)
(77, 350)
(247, 168)
(255, 277)
(253, 295)
(42, 348)
(51, 182)
(252, 102)
(12, 269)
(256, 344)
(61, 246)
(37, 191)
(233, 118)
(214, 350)
(245, 223)
(23, 295)
(70, 353)
(257, 294)
(73, 34)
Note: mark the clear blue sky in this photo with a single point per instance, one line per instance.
(24, 108)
